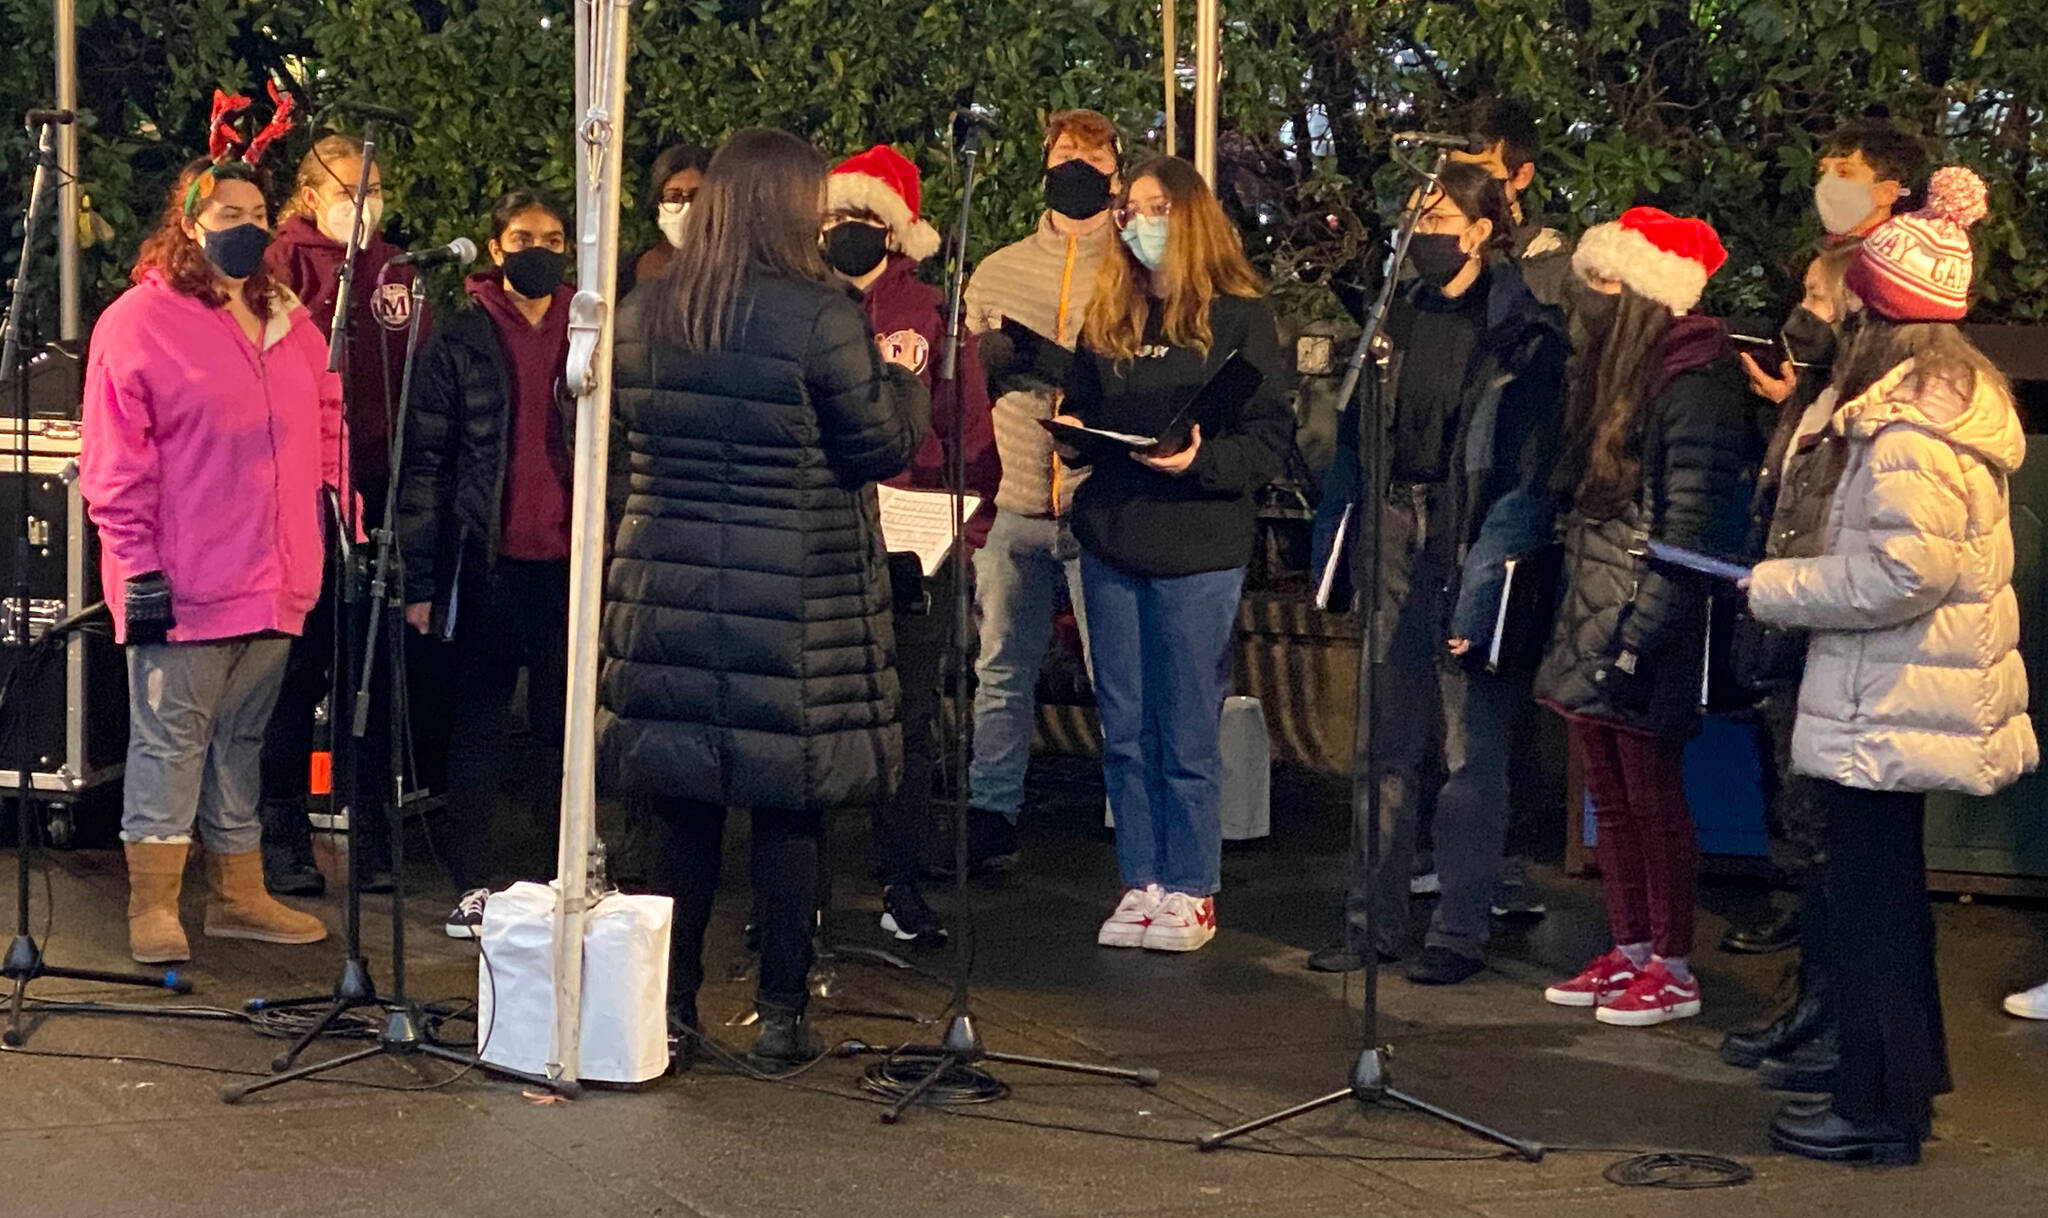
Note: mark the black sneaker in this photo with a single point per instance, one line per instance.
(906, 916)
(1442, 966)
(466, 920)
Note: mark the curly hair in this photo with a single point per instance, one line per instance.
(170, 252)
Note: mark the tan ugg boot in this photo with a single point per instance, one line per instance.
(239, 907)
(156, 873)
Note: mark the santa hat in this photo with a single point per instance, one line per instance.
(882, 181)
(1656, 254)
(1917, 267)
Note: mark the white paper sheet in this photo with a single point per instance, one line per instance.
(921, 523)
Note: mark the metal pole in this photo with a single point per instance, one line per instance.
(600, 102)
(1208, 74)
(1169, 56)
(65, 23)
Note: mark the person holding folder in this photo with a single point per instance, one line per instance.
(1166, 532)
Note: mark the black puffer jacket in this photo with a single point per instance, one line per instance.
(748, 645)
(1699, 449)
(451, 494)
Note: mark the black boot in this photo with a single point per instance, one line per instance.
(785, 1041)
(372, 836)
(1828, 1136)
(288, 869)
(685, 1034)
(1804, 1020)
(1809, 1068)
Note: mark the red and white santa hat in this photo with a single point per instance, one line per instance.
(1916, 268)
(881, 180)
(1656, 254)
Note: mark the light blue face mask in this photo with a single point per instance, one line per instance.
(1146, 237)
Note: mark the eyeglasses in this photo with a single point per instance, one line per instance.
(683, 197)
(1128, 212)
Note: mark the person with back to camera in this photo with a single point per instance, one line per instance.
(1914, 680)
(1166, 536)
(748, 649)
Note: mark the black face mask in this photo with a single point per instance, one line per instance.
(1436, 257)
(237, 251)
(1076, 190)
(535, 272)
(1811, 339)
(854, 248)
(1590, 309)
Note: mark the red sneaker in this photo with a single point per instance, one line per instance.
(1182, 923)
(1654, 997)
(1600, 983)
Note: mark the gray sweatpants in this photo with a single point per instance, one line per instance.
(196, 717)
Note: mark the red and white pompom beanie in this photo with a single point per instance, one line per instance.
(1917, 267)
(883, 181)
(1656, 254)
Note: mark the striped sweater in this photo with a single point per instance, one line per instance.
(1044, 281)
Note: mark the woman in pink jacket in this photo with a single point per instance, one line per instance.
(211, 428)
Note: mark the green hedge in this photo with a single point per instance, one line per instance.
(1710, 107)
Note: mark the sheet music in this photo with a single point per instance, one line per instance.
(1679, 556)
(921, 523)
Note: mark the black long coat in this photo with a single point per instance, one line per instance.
(749, 655)
(1699, 449)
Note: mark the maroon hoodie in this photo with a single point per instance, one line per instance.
(309, 263)
(538, 464)
(905, 314)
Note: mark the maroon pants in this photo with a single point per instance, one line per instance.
(1648, 850)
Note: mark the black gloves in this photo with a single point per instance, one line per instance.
(1626, 682)
(148, 608)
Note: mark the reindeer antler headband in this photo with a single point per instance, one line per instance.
(223, 135)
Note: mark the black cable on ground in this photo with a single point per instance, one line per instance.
(1683, 1171)
(896, 1075)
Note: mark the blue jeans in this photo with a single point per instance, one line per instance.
(1017, 577)
(1162, 668)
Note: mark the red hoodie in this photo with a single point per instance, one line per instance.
(905, 314)
(309, 263)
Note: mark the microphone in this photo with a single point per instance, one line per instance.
(383, 114)
(461, 252)
(1440, 139)
(42, 118)
(972, 124)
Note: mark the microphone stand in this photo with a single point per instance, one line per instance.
(1370, 1081)
(401, 1036)
(909, 1073)
(24, 962)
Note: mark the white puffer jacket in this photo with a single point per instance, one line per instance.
(1913, 677)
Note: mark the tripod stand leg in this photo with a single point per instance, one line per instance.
(284, 1060)
(1531, 1151)
(940, 1065)
(236, 1094)
(1146, 1077)
(1210, 1141)
(566, 1088)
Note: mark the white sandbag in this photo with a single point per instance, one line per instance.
(625, 983)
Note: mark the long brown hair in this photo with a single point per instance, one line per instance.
(1939, 351)
(319, 167)
(761, 205)
(1602, 467)
(178, 258)
(1204, 260)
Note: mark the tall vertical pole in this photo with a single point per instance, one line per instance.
(1169, 58)
(64, 17)
(1208, 74)
(601, 49)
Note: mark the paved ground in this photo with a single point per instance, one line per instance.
(1236, 1029)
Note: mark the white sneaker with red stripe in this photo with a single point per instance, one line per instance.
(1654, 997)
(1182, 923)
(1598, 984)
(1126, 927)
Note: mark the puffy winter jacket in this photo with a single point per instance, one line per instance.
(748, 642)
(1699, 450)
(1914, 680)
(204, 456)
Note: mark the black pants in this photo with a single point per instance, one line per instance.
(924, 636)
(689, 846)
(1879, 959)
(308, 676)
(517, 618)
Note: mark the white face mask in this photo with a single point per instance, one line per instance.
(670, 217)
(1842, 204)
(340, 216)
